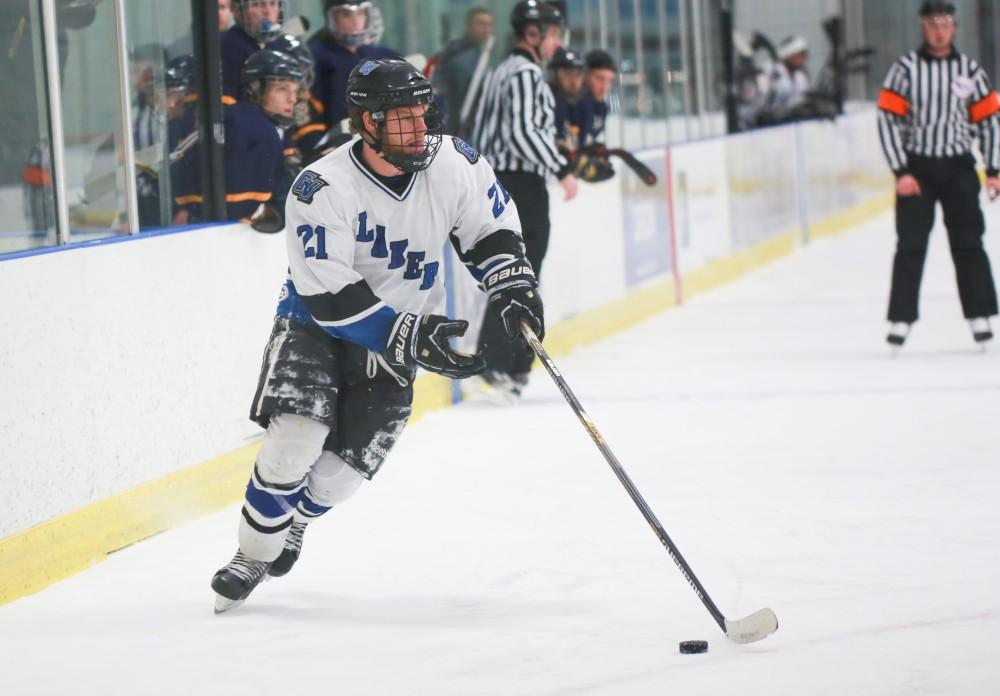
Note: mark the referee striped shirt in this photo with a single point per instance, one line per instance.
(515, 126)
(936, 107)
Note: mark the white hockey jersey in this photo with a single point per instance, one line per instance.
(359, 253)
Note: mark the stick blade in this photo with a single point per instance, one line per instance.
(757, 626)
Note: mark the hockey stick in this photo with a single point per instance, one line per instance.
(633, 163)
(754, 627)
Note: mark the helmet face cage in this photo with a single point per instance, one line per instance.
(397, 135)
(262, 31)
(383, 88)
(372, 31)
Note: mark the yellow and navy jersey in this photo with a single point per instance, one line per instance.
(307, 133)
(333, 64)
(362, 247)
(936, 107)
(254, 159)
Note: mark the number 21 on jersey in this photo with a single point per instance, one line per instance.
(313, 241)
(495, 193)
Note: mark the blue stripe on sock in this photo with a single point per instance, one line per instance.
(311, 508)
(270, 505)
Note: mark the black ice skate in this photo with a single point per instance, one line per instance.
(234, 582)
(289, 554)
(898, 332)
(981, 330)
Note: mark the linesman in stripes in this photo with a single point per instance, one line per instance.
(515, 130)
(934, 102)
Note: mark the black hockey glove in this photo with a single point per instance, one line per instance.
(422, 339)
(268, 219)
(513, 297)
(593, 165)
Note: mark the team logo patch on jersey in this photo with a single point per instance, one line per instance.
(963, 87)
(467, 151)
(307, 185)
(368, 68)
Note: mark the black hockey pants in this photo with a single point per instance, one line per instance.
(952, 181)
(532, 198)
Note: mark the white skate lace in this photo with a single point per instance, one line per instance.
(247, 568)
(294, 538)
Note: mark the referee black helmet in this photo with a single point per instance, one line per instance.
(936, 7)
(533, 12)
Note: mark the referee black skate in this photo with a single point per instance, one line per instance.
(934, 102)
(515, 130)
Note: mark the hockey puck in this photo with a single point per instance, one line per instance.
(693, 647)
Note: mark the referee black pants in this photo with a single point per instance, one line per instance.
(954, 182)
(532, 198)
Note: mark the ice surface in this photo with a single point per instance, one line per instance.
(795, 464)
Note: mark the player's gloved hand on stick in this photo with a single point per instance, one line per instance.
(513, 296)
(422, 339)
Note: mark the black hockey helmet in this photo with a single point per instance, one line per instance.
(262, 32)
(179, 73)
(567, 58)
(269, 66)
(936, 7)
(600, 60)
(528, 12)
(297, 49)
(378, 87)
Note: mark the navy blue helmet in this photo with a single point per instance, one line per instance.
(266, 66)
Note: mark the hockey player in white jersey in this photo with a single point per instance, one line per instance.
(365, 227)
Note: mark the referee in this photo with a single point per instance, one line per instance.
(515, 131)
(933, 103)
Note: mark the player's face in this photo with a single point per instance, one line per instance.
(570, 80)
(797, 61)
(173, 102)
(405, 129)
(225, 15)
(479, 28)
(599, 82)
(142, 77)
(280, 97)
(939, 30)
(350, 20)
(263, 10)
(551, 42)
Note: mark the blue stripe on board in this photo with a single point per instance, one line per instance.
(40, 251)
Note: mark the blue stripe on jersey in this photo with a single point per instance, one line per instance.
(372, 332)
(272, 505)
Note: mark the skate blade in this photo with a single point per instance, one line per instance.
(224, 604)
